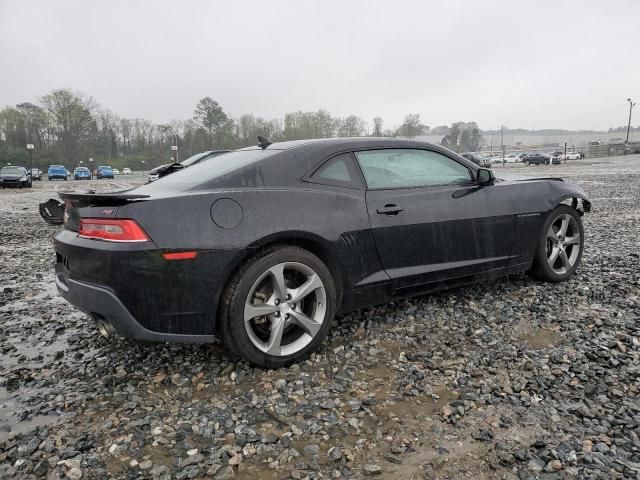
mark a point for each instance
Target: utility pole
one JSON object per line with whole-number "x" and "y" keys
{"x": 491, "y": 147}
{"x": 30, "y": 147}
{"x": 175, "y": 149}
{"x": 502, "y": 143}
{"x": 626, "y": 143}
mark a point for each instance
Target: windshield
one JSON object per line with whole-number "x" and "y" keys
{"x": 82, "y": 169}
{"x": 212, "y": 169}
{"x": 15, "y": 170}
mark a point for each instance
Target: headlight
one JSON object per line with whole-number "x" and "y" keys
{"x": 23, "y": 179}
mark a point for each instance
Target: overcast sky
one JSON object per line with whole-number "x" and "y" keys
{"x": 552, "y": 64}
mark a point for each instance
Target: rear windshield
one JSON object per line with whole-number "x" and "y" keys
{"x": 206, "y": 172}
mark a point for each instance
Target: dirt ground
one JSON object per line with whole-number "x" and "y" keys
{"x": 508, "y": 379}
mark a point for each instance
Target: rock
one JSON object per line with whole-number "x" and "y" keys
{"x": 335, "y": 454}
{"x": 74, "y": 473}
{"x": 553, "y": 466}
{"x": 536, "y": 465}
{"x": 372, "y": 469}
{"x": 312, "y": 449}
{"x": 483, "y": 435}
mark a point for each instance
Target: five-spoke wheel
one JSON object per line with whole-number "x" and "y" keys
{"x": 278, "y": 307}
{"x": 285, "y": 308}
{"x": 560, "y": 246}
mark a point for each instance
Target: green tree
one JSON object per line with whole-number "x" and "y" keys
{"x": 210, "y": 116}
{"x": 412, "y": 127}
{"x": 351, "y": 126}
{"x": 72, "y": 121}
{"x": 378, "y": 122}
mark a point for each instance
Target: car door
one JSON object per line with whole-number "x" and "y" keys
{"x": 430, "y": 220}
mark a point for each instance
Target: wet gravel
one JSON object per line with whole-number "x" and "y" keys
{"x": 510, "y": 379}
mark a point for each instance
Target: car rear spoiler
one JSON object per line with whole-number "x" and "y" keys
{"x": 52, "y": 211}
{"x": 90, "y": 197}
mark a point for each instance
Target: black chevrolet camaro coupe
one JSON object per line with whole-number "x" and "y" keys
{"x": 264, "y": 246}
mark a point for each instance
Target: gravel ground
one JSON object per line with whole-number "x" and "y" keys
{"x": 508, "y": 379}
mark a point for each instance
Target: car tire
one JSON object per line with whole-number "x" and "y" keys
{"x": 559, "y": 251}
{"x": 300, "y": 326}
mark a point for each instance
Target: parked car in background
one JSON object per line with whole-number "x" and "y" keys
{"x": 512, "y": 157}
{"x": 126, "y": 171}
{"x": 115, "y": 171}
{"x": 477, "y": 158}
{"x": 15, "y": 176}
{"x": 104, "y": 172}
{"x": 82, "y": 173}
{"x": 536, "y": 158}
{"x": 36, "y": 174}
{"x": 57, "y": 171}
{"x": 166, "y": 169}
{"x": 571, "y": 156}
{"x": 156, "y": 270}
{"x": 554, "y": 158}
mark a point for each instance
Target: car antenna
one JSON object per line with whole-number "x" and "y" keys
{"x": 263, "y": 142}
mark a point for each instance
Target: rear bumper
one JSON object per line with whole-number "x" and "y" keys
{"x": 102, "y": 303}
{"x": 143, "y": 295}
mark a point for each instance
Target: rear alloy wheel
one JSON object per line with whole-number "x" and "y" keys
{"x": 281, "y": 305}
{"x": 560, "y": 247}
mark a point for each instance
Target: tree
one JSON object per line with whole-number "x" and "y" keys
{"x": 72, "y": 119}
{"x": 412, "y": 126}
{"x": 377, "y": 126}
{"x": 351, "y": 126}
{"x": 463, "y": 137}
{"x": 210, "y": 116}
{"x": 36, "y": 123}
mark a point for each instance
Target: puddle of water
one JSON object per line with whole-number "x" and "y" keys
{"x": 9, "y": 422}
{"x": 410, "y": 407}
{"x": 261, "y": 472}
{"x": 541, "y": 338}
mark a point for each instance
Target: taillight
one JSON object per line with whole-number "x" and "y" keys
{"x": 112, "y": 230}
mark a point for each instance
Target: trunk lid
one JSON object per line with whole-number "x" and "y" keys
{"x": 93, "y": 204}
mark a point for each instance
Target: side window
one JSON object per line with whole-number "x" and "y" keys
{"x": 338, "y": 171}
{"x": 405, "y": 168}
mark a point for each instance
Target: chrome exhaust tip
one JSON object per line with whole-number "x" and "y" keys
{"x": 105, "y": 328}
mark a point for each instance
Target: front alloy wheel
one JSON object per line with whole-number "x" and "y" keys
{"x": 560, "y": 246}
{"x": 563, "y": 244}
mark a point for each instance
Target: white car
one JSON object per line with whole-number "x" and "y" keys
{"x": 126, "y": 171}
{"x": 570, "y": 156}
{"x": 510, "y": 158}
{"x": 116, "y": 171}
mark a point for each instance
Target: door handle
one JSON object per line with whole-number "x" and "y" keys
{"x": 389, "y": 209}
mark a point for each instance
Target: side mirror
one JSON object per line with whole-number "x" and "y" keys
{"x": 484, "y": 176}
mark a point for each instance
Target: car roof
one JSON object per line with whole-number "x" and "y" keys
{"x": 346, "y": 142}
